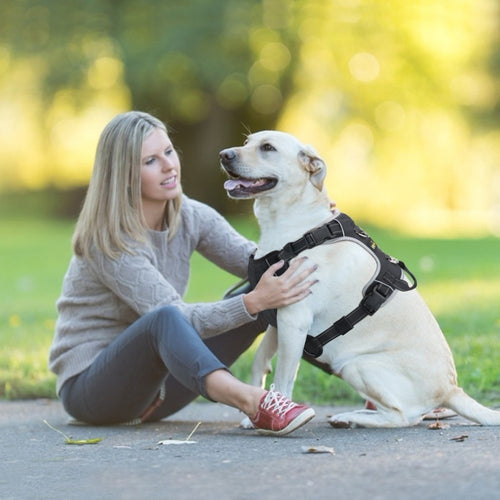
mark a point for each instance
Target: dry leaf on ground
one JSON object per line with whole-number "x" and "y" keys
{"x": 438, "y": 425}
{"x": 460, "y": 439}
{"x": 318, "y": 449}
{"x": 68, "y": 440}
{"x": 181, "y": 441}
{"x": 176, "y": 441}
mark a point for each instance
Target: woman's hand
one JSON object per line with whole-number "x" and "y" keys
{"x": 273, "y": 291}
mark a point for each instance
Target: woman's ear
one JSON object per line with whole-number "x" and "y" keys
{"x": 313, "y": 164}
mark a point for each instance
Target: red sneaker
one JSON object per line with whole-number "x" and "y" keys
{"x": 278, "y": 415}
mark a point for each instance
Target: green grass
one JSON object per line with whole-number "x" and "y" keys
{"x": 458, "y": 278}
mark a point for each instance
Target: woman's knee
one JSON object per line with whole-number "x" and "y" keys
{"x": 169, "y": 316}
{"x": 169, "y": 328}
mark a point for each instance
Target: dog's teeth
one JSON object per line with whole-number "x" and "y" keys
{"x": 244, "y": 183}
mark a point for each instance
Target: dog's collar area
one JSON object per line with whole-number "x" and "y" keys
{"x": 389, "y": 278}
{"x": 329, "y": 231}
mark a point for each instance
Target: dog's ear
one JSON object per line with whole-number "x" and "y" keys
{"x": 313, "y": 164}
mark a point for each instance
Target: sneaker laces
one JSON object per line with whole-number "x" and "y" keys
{"x": 277, "y": 402}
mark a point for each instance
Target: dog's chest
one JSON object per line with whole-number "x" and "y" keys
{"x": 344, "y": 269}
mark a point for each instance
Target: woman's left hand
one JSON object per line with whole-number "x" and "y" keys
{"x": 273, "y": 291}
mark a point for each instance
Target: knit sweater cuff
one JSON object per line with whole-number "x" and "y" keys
{"x": 253, "y": 317}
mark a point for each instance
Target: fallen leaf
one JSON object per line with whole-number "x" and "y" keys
{"x": 82, "y": 441}
{"x": 181, "y": 441}
{"x": 68, "y": 440}
{"x": 460, "y": 439}
{"x": 318, "y": 449}
{"x": 176, "y": 441}
{"x": 438, "y": 425}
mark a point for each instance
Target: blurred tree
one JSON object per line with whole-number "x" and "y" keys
{"x": 400, "y": 97}
{"x": 394, "y": 85}
{"x": 197, "y": 65}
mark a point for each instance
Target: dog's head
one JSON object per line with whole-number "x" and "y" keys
{"x": 270, "y": 161}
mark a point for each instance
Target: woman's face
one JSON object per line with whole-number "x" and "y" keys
{"x": 160, "y": 169}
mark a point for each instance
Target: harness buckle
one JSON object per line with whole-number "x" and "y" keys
{"x": 375, "y": 298}
{"x": 310, "y": 240}
{"x": 313, "y": 347}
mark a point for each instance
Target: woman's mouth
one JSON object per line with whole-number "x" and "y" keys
{"x": 170, "y": 182}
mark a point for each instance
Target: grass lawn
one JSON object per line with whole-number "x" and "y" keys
{"x": 458, "y": 278}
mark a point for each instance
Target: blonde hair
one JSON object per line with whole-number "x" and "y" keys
{"x": 111, "y": 219}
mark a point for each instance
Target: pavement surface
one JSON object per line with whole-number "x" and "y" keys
{"x": 223, "y": 461}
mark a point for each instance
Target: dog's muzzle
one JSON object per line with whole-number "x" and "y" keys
{"x": 242, "y": 187}
{"x": 227, "y": 156}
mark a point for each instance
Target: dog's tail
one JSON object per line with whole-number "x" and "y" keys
{"x": 469, "y": 408}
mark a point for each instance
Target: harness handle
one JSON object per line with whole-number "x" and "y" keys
{"x": 402, "y": 265}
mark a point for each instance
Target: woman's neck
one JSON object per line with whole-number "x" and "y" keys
{"x": 155, "y": 216}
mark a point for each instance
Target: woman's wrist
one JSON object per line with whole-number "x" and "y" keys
{"x": 251, "y": 304}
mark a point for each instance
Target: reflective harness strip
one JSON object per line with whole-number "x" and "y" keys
{"x": 390, "y": 277}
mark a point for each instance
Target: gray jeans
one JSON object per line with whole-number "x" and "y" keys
{"x": 160, "y": 352}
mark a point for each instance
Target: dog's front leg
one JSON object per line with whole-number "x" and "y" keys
{"x": 261, "y": 365}
{"x": 292, "y": 332}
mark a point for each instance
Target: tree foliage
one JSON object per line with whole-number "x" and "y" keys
{"x": 397, "y": 95}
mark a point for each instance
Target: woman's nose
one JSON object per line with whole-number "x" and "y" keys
{"x": 167, "y": 164}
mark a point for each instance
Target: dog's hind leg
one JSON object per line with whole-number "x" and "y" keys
{"x": 371, "y": 418}
{"x": 392, "y": 392}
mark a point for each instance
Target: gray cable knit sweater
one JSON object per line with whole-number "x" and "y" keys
{"x": 102, "y": 296}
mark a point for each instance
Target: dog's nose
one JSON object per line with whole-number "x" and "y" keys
{"x": 227, "y": 155}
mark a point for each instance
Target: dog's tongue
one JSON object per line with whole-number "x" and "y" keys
{"x": 231, "y": 184}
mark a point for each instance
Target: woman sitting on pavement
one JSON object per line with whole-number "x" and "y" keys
{"x": 127, "y": 347}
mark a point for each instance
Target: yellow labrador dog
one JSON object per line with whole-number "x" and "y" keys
{"x": 397, "y": 358}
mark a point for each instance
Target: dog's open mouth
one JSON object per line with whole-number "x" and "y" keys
{"x": 239, "y": 187}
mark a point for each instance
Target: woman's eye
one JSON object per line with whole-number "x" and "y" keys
{"x": 168, "y": 151}
{"x": 150, "y": 161}
{"x": 267, "y": 147}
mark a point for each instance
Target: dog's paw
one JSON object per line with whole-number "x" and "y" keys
{"x": 246, "y": 423}
{"x": 340, "y": 423}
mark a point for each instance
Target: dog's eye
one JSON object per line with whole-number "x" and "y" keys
{"x": 267, "y": 147}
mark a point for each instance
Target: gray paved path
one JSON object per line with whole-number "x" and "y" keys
{"x": 229, "y": 463}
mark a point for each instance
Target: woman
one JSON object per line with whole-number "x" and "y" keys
{"x": 127, "y": 347}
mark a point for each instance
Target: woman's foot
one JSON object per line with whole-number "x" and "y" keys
{"x": 278, "y": 415}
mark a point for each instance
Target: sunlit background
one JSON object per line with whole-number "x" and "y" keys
{"x": 401, "y": 98}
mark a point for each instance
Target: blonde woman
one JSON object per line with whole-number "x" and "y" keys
{"x": 127, "y": 347}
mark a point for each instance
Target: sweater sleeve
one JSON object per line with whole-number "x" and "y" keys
{"x": 220, "y": 243}
{"x": 135, "y": 280}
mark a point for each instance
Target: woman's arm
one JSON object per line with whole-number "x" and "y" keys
{"x": 218, "y": 241}
{"x": 137, "y": 282}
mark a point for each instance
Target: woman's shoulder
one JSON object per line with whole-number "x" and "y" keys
{"x": 98, "y": 260}
{"x": 196, "y": 211}
{"x": 192, "y": 204}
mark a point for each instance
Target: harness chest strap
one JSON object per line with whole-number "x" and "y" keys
{"x": 389, "y": 278}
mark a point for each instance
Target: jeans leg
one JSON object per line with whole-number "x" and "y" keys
{"x": 126, "y": 377}
{"x": 227, "y": 346}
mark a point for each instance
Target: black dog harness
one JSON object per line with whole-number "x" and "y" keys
{"x": 390, "y": 277}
